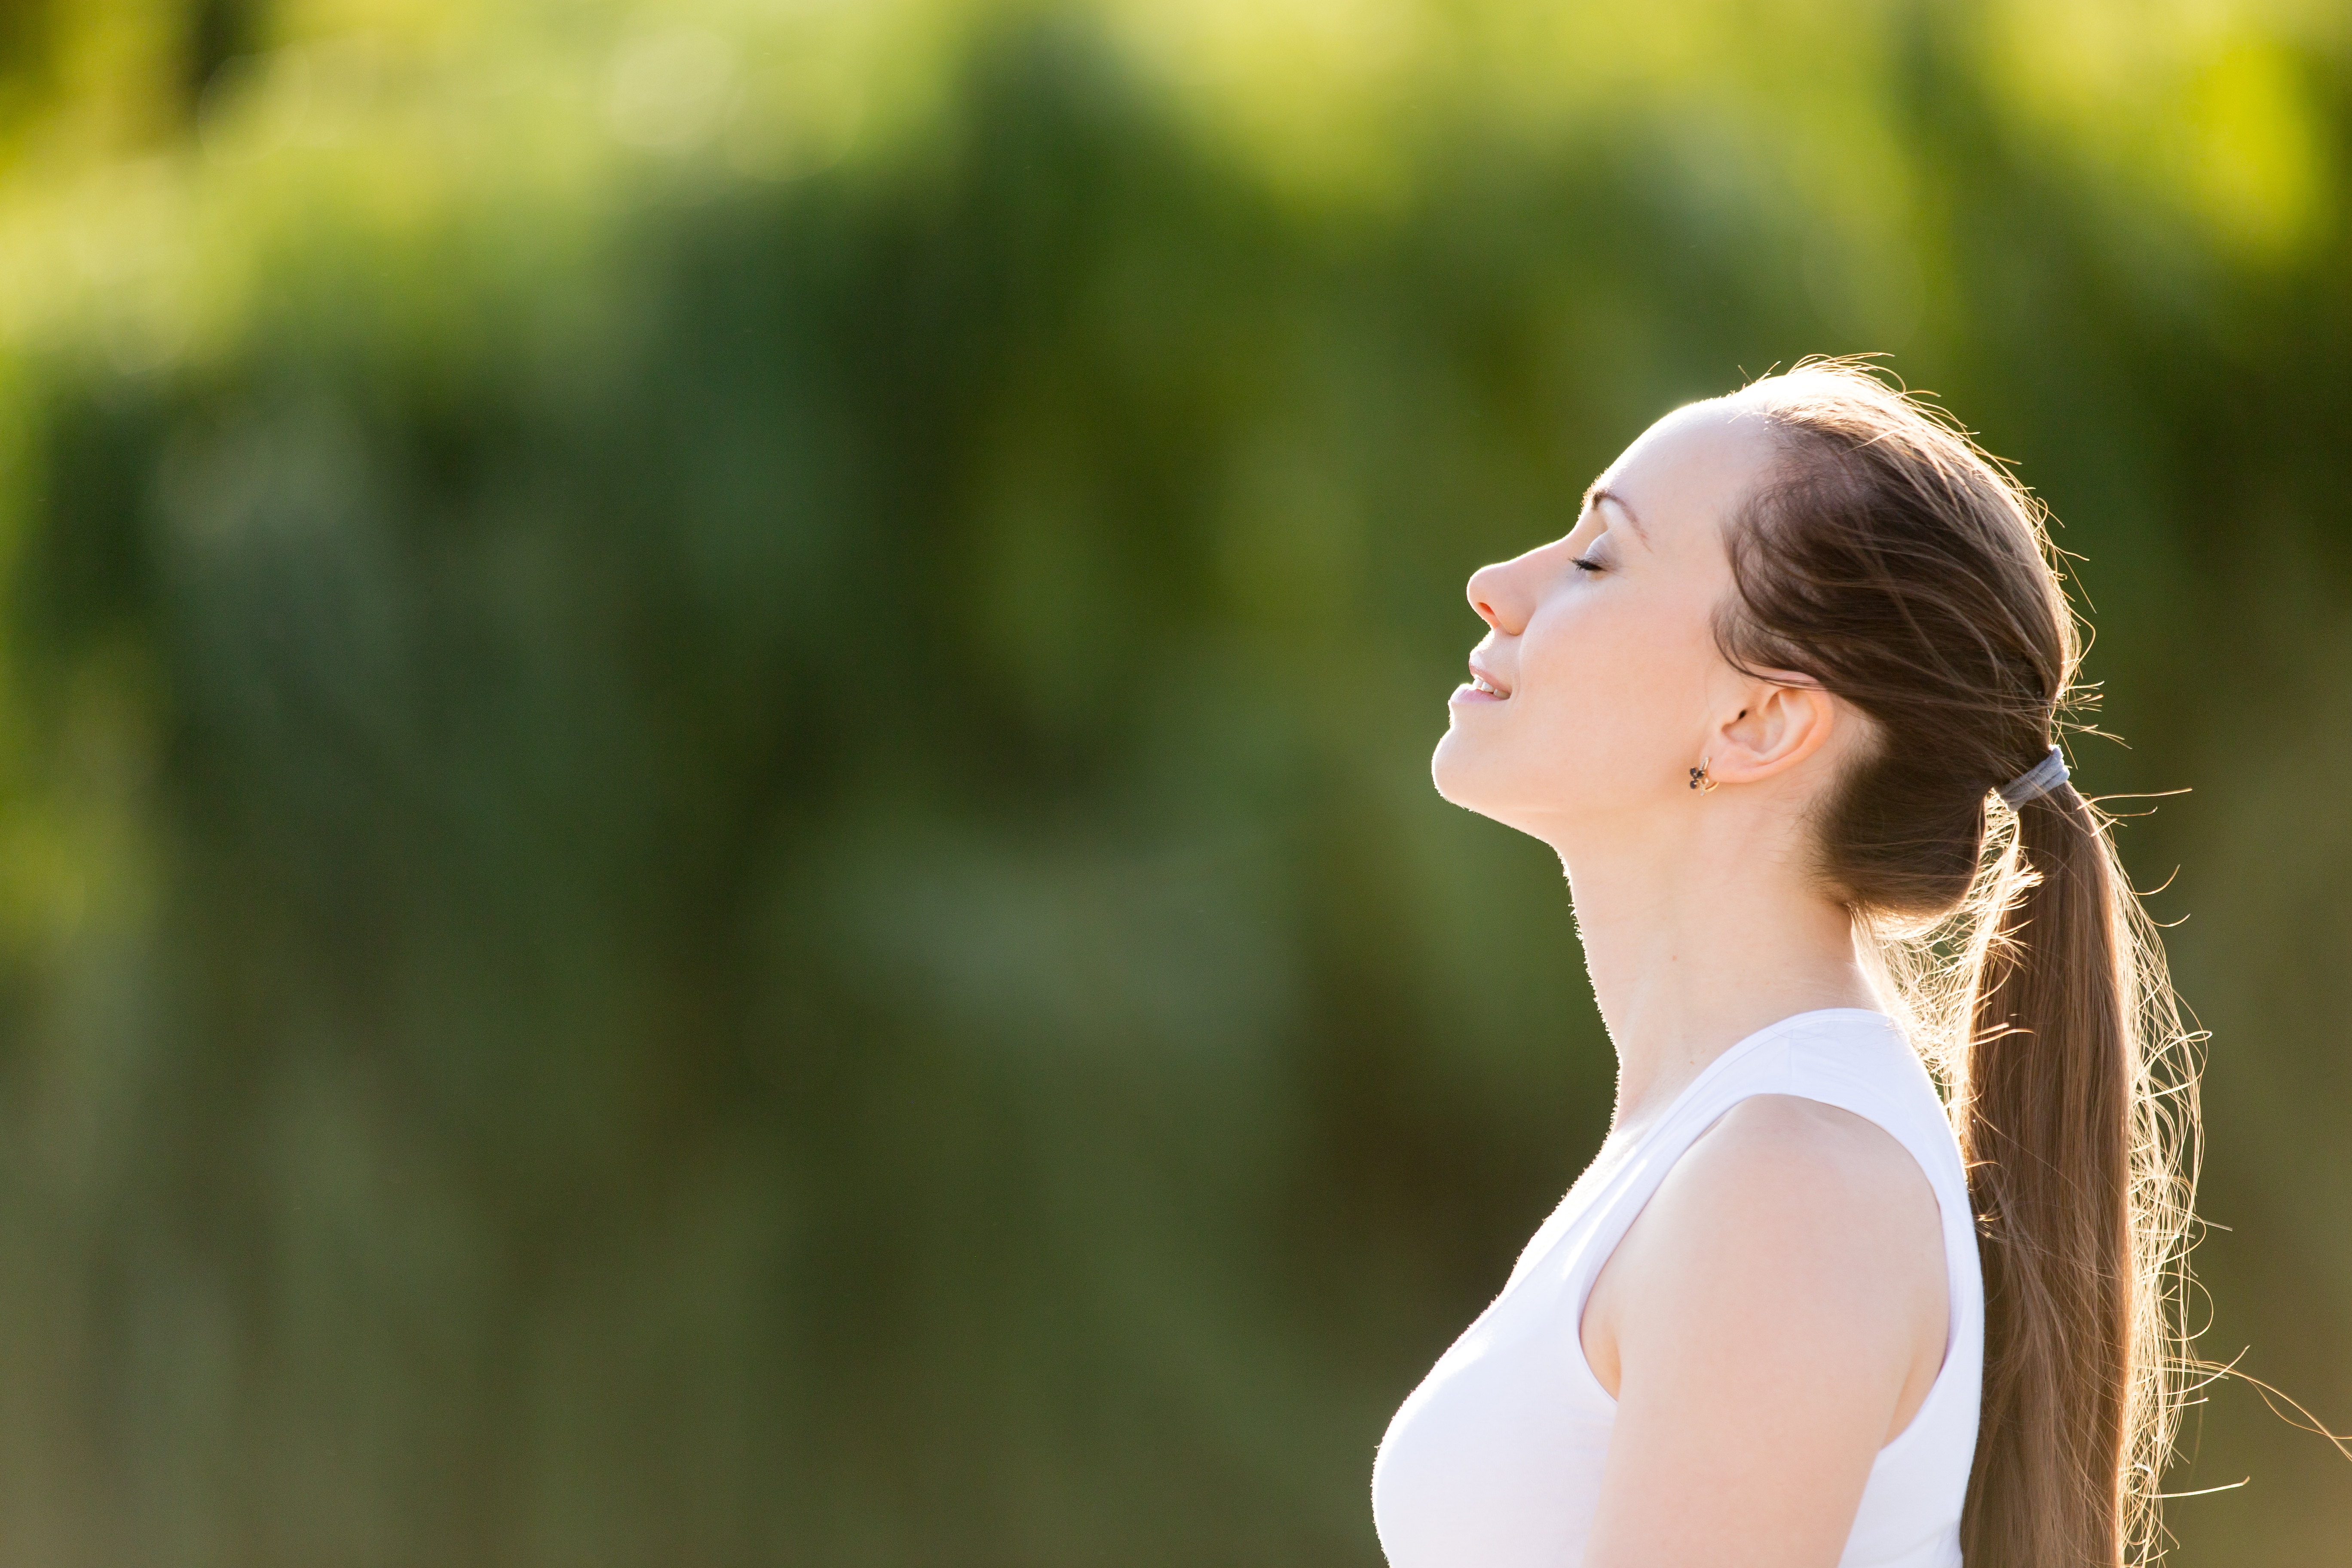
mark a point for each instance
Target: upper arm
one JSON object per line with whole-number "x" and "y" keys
{"x": 1767, "y": 1318}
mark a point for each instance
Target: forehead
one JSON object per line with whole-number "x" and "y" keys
{"x": 1691, "y": 469}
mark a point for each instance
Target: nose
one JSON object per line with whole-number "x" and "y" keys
{"x": 1498, "y": 593}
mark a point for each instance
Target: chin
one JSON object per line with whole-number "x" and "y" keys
{"x": 1475, "y": 784}
{"x": 1454, "y": 773}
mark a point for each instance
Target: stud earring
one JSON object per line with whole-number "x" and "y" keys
{"x": 1698, "y": 779}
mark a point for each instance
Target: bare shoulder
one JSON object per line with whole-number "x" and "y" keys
{"x": 1781, "y": 1177}
{"x": 1816, "y": 1222}
{"x": 1772, "y": 1148}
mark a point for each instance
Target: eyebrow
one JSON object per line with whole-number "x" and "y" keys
{"x": 1600, "y": 493}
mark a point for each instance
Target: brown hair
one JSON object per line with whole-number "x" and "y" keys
{"x": 1889, "y": 558}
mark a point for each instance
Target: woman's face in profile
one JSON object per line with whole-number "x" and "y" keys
{"x": 1600, "y": 652}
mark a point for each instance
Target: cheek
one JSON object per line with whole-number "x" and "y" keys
{"x": 1591, "y": 726}
{"x": 1617, "y": 701}
{"x": 1610, "y": 706}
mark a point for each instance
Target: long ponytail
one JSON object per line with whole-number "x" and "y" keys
{"x": 1890, "y": 559}
{"x": 2070, "y": 1135}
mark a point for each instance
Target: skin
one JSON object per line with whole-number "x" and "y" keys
{"x": 1776, "y": 1313}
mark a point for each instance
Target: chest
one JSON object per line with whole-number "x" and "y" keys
{"x": 1497, "y": 1457}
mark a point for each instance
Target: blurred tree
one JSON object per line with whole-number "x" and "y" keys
{"x": 713, "y": 731}
{"x": 218, "y": 31}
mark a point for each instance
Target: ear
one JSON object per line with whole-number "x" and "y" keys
{"x": 1777, "y": 723}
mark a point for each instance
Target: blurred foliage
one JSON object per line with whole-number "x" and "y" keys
{"x": 712, "y": 720}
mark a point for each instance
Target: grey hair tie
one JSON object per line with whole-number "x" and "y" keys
{"x": 2036, "y": 781}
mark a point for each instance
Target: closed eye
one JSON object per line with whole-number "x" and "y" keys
{"x": 1585, "y": 563}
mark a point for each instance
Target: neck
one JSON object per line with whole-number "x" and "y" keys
{"x": 1696, "y": 944}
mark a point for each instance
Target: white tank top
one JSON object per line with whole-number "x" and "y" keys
{"x": 1494, "y": 1461}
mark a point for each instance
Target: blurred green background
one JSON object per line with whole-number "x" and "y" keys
{"x": 714, "y": 845}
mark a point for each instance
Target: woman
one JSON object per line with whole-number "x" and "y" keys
{"x": 1784, "y": 703}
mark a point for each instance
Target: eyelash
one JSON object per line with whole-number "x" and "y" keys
{"x": 1585, "y": 563}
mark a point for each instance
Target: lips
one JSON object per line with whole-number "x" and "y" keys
{"x": 1481, "y": 688}
{"x": 1483, "y": 679}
